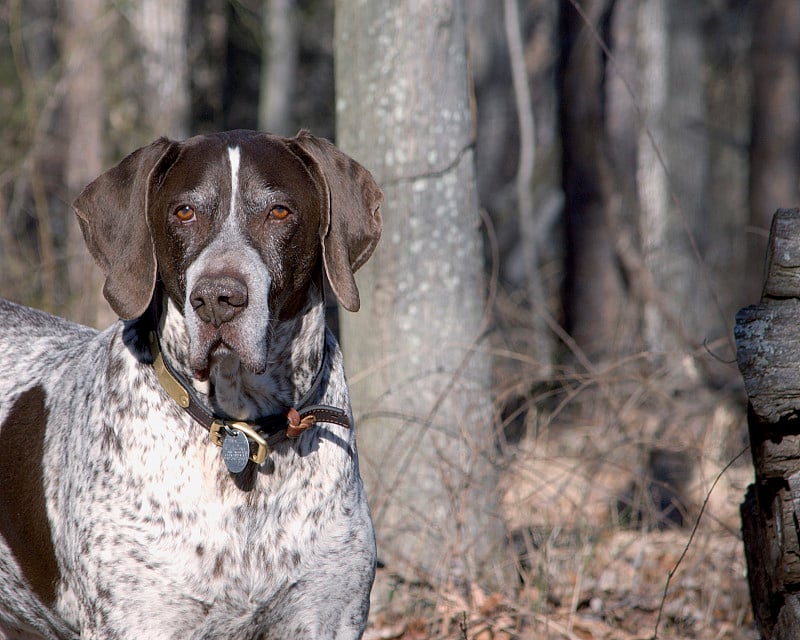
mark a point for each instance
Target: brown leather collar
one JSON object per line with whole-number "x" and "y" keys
{"x": 262, "y": 434}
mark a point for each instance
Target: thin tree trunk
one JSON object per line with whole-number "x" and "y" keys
{"x": 279, "y": 66}
{"x": 685, "y": 273}
{"x": 162, "y": 30}
{"x": 651, "y": 173}
{"x": 85, "y": 113}
{"x": 594, "y": 292}
{"x": 529, "y": 224}
{"x": 418, "y": 376}
{"x": 775, "y": 135}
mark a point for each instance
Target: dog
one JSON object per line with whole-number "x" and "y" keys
{"x": 191, "y": 472}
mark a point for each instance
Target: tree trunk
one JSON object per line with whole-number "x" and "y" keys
{"x": 671, "y": 177}
{"x": 727, "y": 38}
{"x": 685, "y": 276}
{"x": 651, "y": 170}
{"x": 162, "y": 28}
{"x": 278, "y": 66}
{"x": 530, "y": 225}
{"x": 85, "y": 114}
{"x": 769, "y": 361}
{"x": 594, "y": 293}
{"x": 775, "y": 135}
{"x": 419, "y": 378}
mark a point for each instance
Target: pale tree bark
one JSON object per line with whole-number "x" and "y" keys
{"x": 657, "y": 81}
{"x": 651, "y": 170}
{"x": 162, "y": 31}
{"x": 279, "y": 66}
{"x": 85, "y": 113}
{"x": 671, "y": 177}
{"x": 419, "y": 379}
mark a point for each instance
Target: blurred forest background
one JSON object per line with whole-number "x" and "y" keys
{"x": 628, "y": 157}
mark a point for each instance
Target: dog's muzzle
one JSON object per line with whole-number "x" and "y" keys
{"x": 217, "y": 300}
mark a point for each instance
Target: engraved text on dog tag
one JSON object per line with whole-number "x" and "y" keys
{"x": 235, "y": 450}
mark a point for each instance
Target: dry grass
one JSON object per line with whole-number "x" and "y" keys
{"x": 622, "y": 489}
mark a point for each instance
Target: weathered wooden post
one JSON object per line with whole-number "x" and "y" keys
{"x": 768, "y": 354}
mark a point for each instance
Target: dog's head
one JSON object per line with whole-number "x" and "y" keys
{"x": 237, "y": 226}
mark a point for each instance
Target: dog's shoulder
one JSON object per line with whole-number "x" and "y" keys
{"x": 21, "y": 322}
{"x": 35, "y": 345}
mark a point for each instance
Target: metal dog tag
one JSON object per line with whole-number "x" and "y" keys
{"x": 235, "y": 450}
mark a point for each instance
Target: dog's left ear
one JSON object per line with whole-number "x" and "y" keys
{"x": 112, "y": 212}
{"x": 351, "y": 219}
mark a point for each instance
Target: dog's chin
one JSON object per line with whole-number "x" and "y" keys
{"x": 218, "y": 355}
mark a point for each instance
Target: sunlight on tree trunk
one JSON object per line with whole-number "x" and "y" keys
{"x": 279, "y": 66}
{"x": 671, "y": 167}
{"x": 651, "y": 174}
{"x": 419, "y": 378}
{"x": 162, "y": 31}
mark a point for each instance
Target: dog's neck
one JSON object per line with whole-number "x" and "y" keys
{"x": 295, "y": 363}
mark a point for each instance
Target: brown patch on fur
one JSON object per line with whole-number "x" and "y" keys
{"x": 23, "y": 515}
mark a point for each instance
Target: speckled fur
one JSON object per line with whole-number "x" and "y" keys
{"x": 153, "y": 537}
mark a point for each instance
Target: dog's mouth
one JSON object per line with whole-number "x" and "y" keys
{"x": 225, "y": 350}
{"x": 201, "y": 362}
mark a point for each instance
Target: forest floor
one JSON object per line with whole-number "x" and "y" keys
{"x": 623, "y": 499}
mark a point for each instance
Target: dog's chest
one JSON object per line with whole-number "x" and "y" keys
{"x": 227, "y": 546}
{"x": 161, "y": 513}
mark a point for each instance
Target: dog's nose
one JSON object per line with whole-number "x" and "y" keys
{"x": 217, "y": 300}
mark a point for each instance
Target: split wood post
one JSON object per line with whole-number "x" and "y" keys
{"x": 768, "y": 354}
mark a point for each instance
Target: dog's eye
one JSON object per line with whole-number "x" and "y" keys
{"x": 279, "y": 212}
{"x": 185, "y": 213}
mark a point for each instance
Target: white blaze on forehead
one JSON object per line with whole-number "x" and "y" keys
{"x": 234, "y": 156}
{"x": 228, "y": 252}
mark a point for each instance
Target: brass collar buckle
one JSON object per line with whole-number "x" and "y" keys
{"x": 221, "y": 429}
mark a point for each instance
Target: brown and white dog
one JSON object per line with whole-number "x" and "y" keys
{"x": 191, "y": 472}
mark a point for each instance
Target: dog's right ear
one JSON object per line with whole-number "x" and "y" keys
{"x": 112, "y": 212}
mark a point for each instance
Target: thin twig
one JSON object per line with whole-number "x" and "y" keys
{"x": 696, "y": 526}
{"x": 528, "y": 225}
